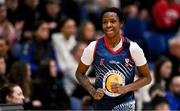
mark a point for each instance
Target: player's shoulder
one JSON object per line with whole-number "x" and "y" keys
{"x": 91, "y": 46}
{"x": 93, "y": 42}
{"x": 134, "y": 47}
{"x": 132, "y": 43}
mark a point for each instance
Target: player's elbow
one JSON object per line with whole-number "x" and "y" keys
{"x": 77, "y": 75}
{"x": 148, "y": 79}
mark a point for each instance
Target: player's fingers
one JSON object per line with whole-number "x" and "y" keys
{"x": 113, "y": 83}
{"x": 104, "y": 89}
{"x": 100, "y": 94}
{"x": 115, "y": 90}
{"x": 100, "y": 91}
{"x": 97, "y": 97}
{"x": 114, "y": 86}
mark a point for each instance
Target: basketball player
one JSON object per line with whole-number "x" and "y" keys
{"x": 114, "y": 58}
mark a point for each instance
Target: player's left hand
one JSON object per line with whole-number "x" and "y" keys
{"x": 118, "y": 88}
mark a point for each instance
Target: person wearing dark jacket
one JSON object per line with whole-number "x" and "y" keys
{"x": 46, "y": 88}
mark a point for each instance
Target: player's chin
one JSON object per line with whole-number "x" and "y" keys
{"x": 110, "y": 36}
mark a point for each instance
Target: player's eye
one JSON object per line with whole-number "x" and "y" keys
{"x": 113, "y": 21}
{"x": 104, "y": 22}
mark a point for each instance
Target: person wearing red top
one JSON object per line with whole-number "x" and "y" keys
{"x": 166, "y": 14}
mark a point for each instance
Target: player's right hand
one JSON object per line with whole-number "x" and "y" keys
{"x": 98, "y": 94}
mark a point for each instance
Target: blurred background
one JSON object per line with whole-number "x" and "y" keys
{"x": 41, "y": 42}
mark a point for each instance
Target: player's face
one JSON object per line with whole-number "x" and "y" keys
{"x": 111, "y": 24}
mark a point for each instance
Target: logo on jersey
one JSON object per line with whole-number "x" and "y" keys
{"x": 101, "y": 61}
{"x": 112, "y": 76}
{"x": 126, "y": 62}
{"x": 114, "y": 62}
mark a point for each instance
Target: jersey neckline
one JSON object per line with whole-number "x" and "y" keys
{"x": 110, "y": 49}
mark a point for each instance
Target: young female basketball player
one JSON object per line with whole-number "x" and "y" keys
{"x": 114, "y": 58}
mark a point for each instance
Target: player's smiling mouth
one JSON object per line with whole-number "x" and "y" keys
{"x": 109, "y": 30}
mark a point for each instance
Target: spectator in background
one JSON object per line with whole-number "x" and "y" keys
{"x": 71, "y": 9}
{"x": 173, "y": 95}
{"x": 38, "y": 48}
{"x": 90, "y": 9}
{"x": 64, "y": 41}
{"x": 7, "y": 31}
{"x": 11, "y": 94}
{"x": 52, "y": 11}
{"x": 20, "y": 74}
{"x": 135, "y": 27}
{"x": 160, "y": 79}
{"x": 30, "y": 14}
{"x": 160, "y": 103}
{"x": 154, "y": 91}
{"x": 13, "y": 15}
{"x": 174, "y": 55}
{"x": 132, "y": 11}
{"x": 12, "y": 11}
{"x": 10, "y": 31}
{"x": 86, "y": 32}
{"x": 6, "y": 51}
{"x": 3, "y": 78}
{"x": 178, "y": 33}
{"x": 3, "y": 47}
{"x": 46, "y": 90}
{"x": 70, "y": 81}
{"x": 144, "y": 16}
{"x": 80, "y": 99}
{"x": 166, "y": 15}
{"x": 162, "y": 72}
{"x": 53, "y": 14}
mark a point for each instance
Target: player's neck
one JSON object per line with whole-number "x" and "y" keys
{"x": 113, "y": 42}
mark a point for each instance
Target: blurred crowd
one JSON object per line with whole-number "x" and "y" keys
{"x": 41, "y": 42}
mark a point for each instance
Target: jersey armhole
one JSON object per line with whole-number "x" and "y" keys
{"x": 94, "y": 53}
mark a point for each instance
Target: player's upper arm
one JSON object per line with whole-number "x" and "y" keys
{"x": 140, "y": 61}
{"x": 87, "y": 56}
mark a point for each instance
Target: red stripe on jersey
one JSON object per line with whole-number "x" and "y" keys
{"x": 110, "y": 49}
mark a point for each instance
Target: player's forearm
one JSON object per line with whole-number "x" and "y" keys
{"x": 84, "y": 81}
{"x": 142, "y": 81}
